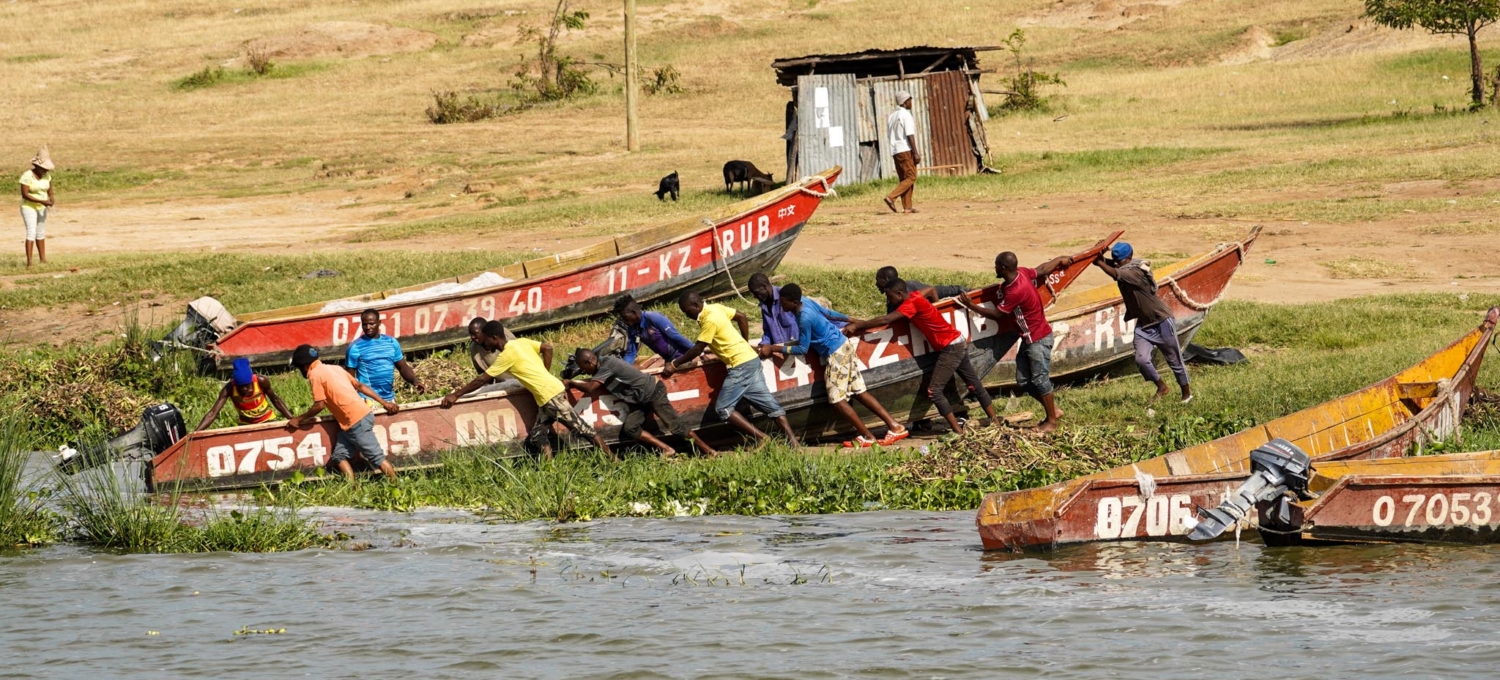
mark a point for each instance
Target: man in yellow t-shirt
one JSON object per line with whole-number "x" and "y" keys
{"x": 530, "y": 362}
{"x": 723, "y": 330}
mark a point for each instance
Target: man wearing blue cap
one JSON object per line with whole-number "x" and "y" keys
{"x": 252, "y": 396}
{"x": 1155, "y": 326}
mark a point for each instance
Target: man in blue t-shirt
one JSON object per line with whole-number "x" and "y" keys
{"x": 374, "y": 359}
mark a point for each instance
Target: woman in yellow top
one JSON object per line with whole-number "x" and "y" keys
{"x": 723, "y": 330}
{"x": 36, "y": 200}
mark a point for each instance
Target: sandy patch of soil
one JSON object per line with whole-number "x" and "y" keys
{"x": 344, "y": 39}
{"x": 1097, "y": 15}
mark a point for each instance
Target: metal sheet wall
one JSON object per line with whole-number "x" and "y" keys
{"x": 885, "y": 102}
{"x": 828, "y": 125}
{"x": 948, "y": 110}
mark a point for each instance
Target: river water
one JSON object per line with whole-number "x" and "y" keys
{"x": 880, "y": 594}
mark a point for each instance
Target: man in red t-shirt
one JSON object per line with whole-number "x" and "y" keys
{"x": 953, "y": 349}
{"x": 1020, "y": 307}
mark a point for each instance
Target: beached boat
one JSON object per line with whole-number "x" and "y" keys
{"x": 1092, "y": 337}
{"x": 1154, "y": 499}
{"x": 712, "y": 254}
{"x": 893, "y": 358}
{"x": 1452, "y": 498}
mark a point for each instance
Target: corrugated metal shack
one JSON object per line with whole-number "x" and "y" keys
{"x": 840, "y": 103}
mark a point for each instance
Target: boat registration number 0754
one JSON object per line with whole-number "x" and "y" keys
{"x": 1127, "y": 516}
{"x": 282, "y": 453}
{"x": 1455, "y": 509}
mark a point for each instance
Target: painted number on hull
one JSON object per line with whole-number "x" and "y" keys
{"x": 493, "y": 427}
{"x": 1125, "y": 517}
{"x": 278, "y": 453}
{"x": 1458, "y": 509}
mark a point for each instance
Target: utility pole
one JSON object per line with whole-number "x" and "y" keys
{"x": 632, "y": 82}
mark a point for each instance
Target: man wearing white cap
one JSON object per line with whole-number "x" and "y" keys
{"x": 902, "y": 129}
{"x": 36, "y": 199}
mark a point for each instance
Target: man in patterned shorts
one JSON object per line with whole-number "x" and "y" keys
{"x": 841, "y": 374}
{"x": 531, "y": 363}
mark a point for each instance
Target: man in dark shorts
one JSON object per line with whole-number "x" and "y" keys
{"x": 642, "y": 396}
{"x": 953, "y": 356}
{"x": 1020, "y": 308}
{"x": 885, "y": 275}
{"x": 1155, "y": 327}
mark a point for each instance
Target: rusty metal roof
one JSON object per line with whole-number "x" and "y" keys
{"x": 907, "y": 61}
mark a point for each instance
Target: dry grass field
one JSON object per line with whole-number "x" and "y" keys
{"x": 1183, "y": 121}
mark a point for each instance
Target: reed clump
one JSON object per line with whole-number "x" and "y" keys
{"x": 24, "y": 519}
{"x": 105, "y": 512}
{"x": 1025, "y": 457}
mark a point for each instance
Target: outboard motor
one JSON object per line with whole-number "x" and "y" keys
{"x": 1277, "y": 468}
{"x": 206, "y": 320}
{"x": 161, "y": 426}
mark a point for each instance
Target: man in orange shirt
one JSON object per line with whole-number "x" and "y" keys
{"x": 333, "y": 388}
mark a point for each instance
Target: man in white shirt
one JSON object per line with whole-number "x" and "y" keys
{"x": 902, "y": 129}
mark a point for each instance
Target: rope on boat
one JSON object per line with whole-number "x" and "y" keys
{"x": 827, "y": 191}
{"x": 719, "y": 262}
{"x": 1205, "y": 306}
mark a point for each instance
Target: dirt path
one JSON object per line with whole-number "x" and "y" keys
{"x": 1407, "y": 252}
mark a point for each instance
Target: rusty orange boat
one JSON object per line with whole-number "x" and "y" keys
{"x": 1154, "y": 499}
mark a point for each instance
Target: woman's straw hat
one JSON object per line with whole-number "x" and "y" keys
{"x": 43, "y": 160}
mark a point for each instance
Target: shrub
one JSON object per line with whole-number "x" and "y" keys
{"x": 208, "y": 77}
{"x": 454, "y": 107}
{"x": 664, "y": 80}
{"x": 1024, "y": 89}
{"x": 258, "y": 59}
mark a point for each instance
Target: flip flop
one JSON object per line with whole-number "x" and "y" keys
{"x": 890, "y": 204}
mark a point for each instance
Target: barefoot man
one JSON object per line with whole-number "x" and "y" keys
{"x": 953, "y": 349}
{"x": 1021, "y": 306}
{"x": 841, "y": 376}
{"x": 723, "y": 330}
{"x": 1155, "y": 327}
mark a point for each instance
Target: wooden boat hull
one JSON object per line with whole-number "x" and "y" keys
{"x": 894, "y": 360}
{"x": 1420, "y": 404}
{"x": 656, "y": 264}
{"x": 1092, "y": 337}
{"x": 1451, "y": 498}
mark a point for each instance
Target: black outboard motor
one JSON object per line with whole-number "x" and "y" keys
{"x": 161, "y": 426}
{"x": 1278, "y": 468}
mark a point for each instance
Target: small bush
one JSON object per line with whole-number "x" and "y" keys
{"x": 665, "y": 80}
{"x": 208, "y": 77}
{"x": 1024, "y": 89}
{"x": 454, "y": 107}
{"x": 24, "y": 520}
{"x": 258, "y": 59}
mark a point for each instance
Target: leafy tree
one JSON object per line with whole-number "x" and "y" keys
{"x": 1442, "y": 17}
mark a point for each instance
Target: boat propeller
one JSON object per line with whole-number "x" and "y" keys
{"x": 1278, "y": 468}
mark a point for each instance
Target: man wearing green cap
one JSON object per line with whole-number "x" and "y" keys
{"x": 252, "y": 396}
{"x": 1155, "y": 327}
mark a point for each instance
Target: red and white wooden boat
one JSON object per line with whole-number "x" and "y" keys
{"x": 1092, "y": 337}
{"x": 711, "y": 254}
{"x": 1154, "y": 499}
{"x": 894, "y": 360}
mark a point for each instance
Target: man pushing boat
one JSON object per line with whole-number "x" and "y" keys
{"x": 841, "y": 375}
{"x": 338, "y": 391}
{"x": 643, "y": 397}
{"x": 252, "y": 395}
{"x": 530, "y": 362}
{"x": 723, "y": 330}
{"x": 1020, "y": 310}
{"x": 953, "y": 349}
{"x": 1155, "y": 326}
{"x": 885, "y": 275}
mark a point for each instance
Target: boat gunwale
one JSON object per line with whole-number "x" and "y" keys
{"x": 1197, "y": 264}
{"x": 759, "y": 203}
